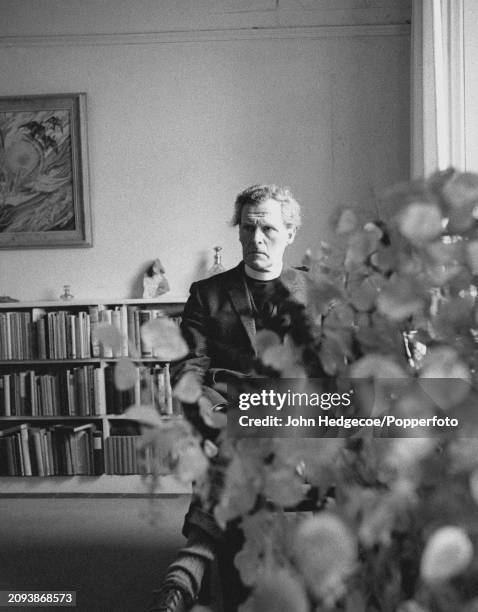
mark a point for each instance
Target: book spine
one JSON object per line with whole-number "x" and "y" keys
{"x": 9, "y": 331}
{"x": 62, "y": 335}
{"x": 94, "y": 313}
{"x": 37, "y": 445}
{"x": 124, "y": 330}
{"x": 3, "y": 336}
{"x": 99, "y": 391}
{"x": 98, "y": 453}
{"x": 22, "y": 385}
{"x": 132, "y": 350}
{"x": 137, "y": 332}
{"x": 106, "y": 318}
{"x": 168, "y": 392}
{"x": 144, "y": 317}
{"x": 137, "y": 388}
{"x": 47, "y": 452}
{"x": 87, "y": 336}
{"x": 6, "y": 391}
{"x": 25, "y": 451}
{"x": 116, "y": 322}
{"x": 80, "y": 337}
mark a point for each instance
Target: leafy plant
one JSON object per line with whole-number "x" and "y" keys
{"x": 394, "y": 307}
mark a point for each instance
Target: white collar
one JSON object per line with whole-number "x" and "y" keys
{"x": 263, "y": 276}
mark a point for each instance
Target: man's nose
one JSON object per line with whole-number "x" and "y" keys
{"x": 258, "y": 236}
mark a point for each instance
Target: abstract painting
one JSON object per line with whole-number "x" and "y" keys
{"x": 44, "y": 188}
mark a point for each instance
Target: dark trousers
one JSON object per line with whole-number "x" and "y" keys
{"x": 225, "y": 545}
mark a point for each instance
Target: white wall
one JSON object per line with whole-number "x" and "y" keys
{"x": 187, "y": 106}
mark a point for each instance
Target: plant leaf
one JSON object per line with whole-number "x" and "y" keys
{"x": 189, "y": 462}
{"x": 325, "y": 551}
{"x": 377, "y": 366}
{"x": 461, "y": 189}
{"x": 212, "y": 418}
{"x": 283, "y": 486}
{"x": 126, "y": 374}
{"x": 265, "y": 339}
{"x": 447, "y": 553}
{"x": 346, "y": 221}
{"x": 164, "y": 336}
{"x": 277, "y": 591}
{"x": 444, "y": 377}
{"x": 108, "y": 336}
{"x": 472, "y": 255}
{"x": 188, "y": 388}
{"x": 400, "y": 299}
{"x": 147, "y": 415}
{"x": 420, "y": 222}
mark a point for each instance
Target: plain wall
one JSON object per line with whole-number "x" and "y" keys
{"x": 182, "y": 116}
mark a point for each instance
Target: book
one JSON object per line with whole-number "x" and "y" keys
{"x": 94, "y": 313}
{"x": 99, "y": 406}
{"x": 6, "y": 395}
{"x": 38, "y": 333}
{"x": 144, "y": 317}
{"x": 116, "y": 323}
{"x": 106, "y": 318}
{"x": 132, "y": 339}
{"x": 124, "y": 330}
{"x": 168, "y": 392}
{"x": 77, "y": 446}
{"x": 71, "y": 336}
{"x": 98, "y": 453}
{"x": 38, "y": 451}
{"x": 19, "y": 435}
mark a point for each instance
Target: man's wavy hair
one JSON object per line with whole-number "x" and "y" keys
{"x": 257, "y": 194}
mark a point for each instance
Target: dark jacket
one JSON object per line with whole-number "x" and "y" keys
{"x": 218, "y": 322}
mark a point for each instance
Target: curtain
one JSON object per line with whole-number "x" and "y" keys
{"x": 437, "y": 72}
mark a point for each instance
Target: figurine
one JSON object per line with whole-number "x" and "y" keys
{"x": 155, "y": 282}
{"x": 217, "y": 266}
{"x": 67, "y": 294}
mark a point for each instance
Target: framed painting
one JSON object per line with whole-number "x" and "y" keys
{"x": 44, "y": 188}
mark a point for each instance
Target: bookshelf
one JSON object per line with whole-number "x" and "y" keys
{"x": 62, "y": 429}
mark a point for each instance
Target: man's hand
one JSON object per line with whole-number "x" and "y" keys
{"x": 212, "y": 412}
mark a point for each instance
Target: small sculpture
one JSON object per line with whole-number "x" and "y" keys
{"x": 217, "y": 266}
{"x": 67, "y": 294}
{"x": 155, "y": 282}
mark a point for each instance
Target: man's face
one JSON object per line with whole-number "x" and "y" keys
{"x": 263, "y": 235}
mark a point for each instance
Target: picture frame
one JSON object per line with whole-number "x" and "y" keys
{"x": 44, "y": 174}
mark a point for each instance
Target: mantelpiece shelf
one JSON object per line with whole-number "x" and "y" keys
{"x": 159, "y": 301}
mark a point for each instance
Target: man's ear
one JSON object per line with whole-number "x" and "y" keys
{"x": 291, "y": 231}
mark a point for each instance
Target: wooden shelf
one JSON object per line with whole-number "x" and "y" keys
{"x": 90, "y": 485}
{"x": 162, "y": 300}
{"x": 49, "y": 417}
{"x": 17, "y": 362}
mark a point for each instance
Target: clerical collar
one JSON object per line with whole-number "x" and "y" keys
{"x": 263, "y": 276}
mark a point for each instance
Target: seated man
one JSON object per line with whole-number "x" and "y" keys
{"x": 220, "y": 320}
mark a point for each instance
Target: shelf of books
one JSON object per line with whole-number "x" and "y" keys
{"x": 62, "y": 428}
